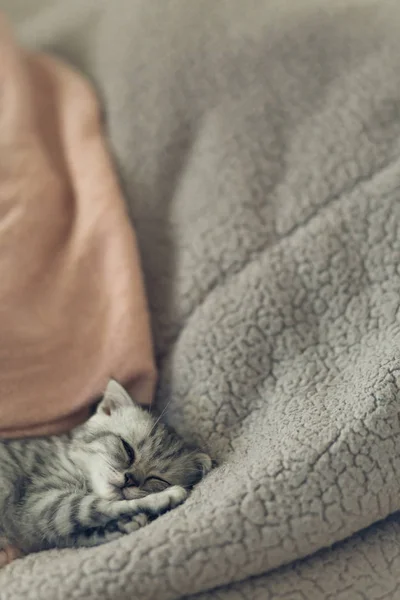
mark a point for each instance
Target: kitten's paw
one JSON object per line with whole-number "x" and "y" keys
{"x": 134, "y": 523}
{"x": 127, "y": 524}
{"x": 113, "y": 530}
{"x": 177, "y": 495}
{"x": 157, "y": 504}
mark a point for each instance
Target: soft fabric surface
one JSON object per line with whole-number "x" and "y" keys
{"x": 73, "y": 310}
{"x": 259, "y": 149}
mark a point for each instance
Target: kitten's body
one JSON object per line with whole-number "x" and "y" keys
{"x": 101, "y": 481}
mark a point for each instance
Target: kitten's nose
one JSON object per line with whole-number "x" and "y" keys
{"x": 130, "y": 480}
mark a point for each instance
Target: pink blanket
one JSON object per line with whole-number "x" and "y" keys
{"x": 72, "y": 305}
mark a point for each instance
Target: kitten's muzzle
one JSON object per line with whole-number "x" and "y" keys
{"x": 131, "y": 480}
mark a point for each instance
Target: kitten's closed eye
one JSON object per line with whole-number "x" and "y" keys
{"x": 155, "y": 484}
{"x": 129, "y": 451}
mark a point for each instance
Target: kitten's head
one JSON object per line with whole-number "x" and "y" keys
{"x": 127, "y": 453}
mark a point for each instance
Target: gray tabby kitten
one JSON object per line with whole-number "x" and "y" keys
{"x": 105, "y": 479}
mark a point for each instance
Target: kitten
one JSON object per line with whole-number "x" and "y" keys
{"x": 106, "y": 478}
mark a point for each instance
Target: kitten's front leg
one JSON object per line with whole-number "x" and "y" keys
{"x": 112, "y": 531}
{"x": 158, "y": 503}
{"x": 95, "y": 511}
{"x": 57, "y": 518}
{"x": 153, "y": 504}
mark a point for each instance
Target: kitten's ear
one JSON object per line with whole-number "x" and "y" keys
{"x": 204, "y": 463}
{"x": 115, "y": 397}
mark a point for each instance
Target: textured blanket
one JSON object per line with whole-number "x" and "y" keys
{"x": 259, "y": 147}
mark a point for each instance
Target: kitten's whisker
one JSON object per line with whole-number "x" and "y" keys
{"x": 161, "y": 415}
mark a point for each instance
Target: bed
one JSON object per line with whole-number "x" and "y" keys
{"x": 258, "y": 145}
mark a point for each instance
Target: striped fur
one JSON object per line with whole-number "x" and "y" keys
{"x": 105, "y": 479}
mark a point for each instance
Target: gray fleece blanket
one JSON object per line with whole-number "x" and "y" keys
{"x": 259, "y": 148}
